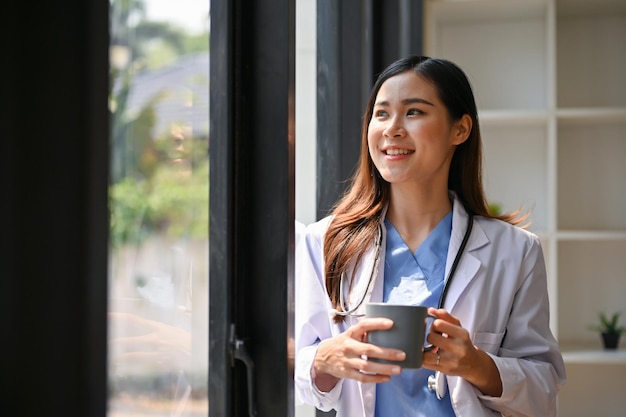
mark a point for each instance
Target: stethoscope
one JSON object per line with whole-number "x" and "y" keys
{"x": 436, "y": 383}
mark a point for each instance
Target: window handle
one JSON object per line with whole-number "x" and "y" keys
{"x": 238, "y": 351}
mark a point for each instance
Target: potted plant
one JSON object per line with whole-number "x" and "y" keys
{"x": 609, "y": 330}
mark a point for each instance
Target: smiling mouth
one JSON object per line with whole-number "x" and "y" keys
{"x": 394, "y": 152}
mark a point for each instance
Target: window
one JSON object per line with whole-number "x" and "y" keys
{"x": 159, "y": 192}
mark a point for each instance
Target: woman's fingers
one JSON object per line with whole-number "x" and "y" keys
{"x": 359, "y": 330}
{"x": 444, "y": 315}
{"x": 455, "y": 353}
{"x": 346, "y": 355}
{"x": 374, "y": 351}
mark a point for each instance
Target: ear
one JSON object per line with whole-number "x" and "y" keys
{"x": 461, "y": 129}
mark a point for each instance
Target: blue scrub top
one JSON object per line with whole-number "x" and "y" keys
{"x": 415, "y": 279}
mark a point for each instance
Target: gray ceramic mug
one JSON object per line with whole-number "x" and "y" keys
{"x": 407, "y": 334}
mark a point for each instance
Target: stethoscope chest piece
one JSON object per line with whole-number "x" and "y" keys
{"x": 437, "y": 384}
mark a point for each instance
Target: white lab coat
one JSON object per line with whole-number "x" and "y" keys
{"x": 499, "y": 293}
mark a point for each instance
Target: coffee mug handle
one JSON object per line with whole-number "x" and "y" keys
{"x": 430, "y": 347}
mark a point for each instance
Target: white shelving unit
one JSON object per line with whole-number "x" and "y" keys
{"x": 549, "y": 78}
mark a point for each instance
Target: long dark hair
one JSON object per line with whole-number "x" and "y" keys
{"x": 356, "y": 216}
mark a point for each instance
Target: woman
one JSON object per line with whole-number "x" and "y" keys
{"x": 394, "y": 237}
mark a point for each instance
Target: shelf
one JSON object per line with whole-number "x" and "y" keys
{"x": 591, "y": 279}
{"x": 595, "y": 356}
{"x": 486, "y": 10}
{"x": 591, "y": 60}
{"x": 590, "y": 235}
{"x": 548, "y": 77}
{"x": 513, "y": 117}
{"x": 590, "y": 8}
{"x": 591, "y": 170}
{"x": 518, "y": 152}
{"x": 501, "y": 80}
{"x": 578, "y": 116}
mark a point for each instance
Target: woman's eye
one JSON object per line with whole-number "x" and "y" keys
{"x": 380, "y": 113}
{"x": 413, "y": 112}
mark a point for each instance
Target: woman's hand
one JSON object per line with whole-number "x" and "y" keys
{"x": 457, "y": 355}
{"x": 345, "y": 356}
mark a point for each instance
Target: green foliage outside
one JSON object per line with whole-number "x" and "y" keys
{"x": 149, "y": 192}
{"x": 171, "y": 203}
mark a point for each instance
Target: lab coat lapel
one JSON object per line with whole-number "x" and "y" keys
{"x": 468, "y": 265}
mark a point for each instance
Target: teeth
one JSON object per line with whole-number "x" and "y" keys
{"x": 397, "y": 151}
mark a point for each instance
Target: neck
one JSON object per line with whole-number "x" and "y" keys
{"x": 416, "y": 212}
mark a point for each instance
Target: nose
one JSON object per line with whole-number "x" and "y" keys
{"x": 394, "y": 127}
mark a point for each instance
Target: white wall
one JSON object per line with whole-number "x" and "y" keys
{"x": 306, "y": 110}
{"x": 306, "y": 121}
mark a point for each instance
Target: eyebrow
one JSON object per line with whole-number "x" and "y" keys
{"x": 406, "y": 101}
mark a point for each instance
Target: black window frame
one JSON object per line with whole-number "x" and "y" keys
{"x": 251, "y": 207}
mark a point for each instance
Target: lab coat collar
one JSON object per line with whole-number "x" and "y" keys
{"x": 466, "y": 270}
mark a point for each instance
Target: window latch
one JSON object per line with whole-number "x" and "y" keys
{"x": 238, "y": 352}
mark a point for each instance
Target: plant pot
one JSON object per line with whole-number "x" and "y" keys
{"x": 610, "y": 340}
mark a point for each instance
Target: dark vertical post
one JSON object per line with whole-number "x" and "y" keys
{"x": 356, "y": 39}
{"x": 411, "y": 38}
{"x": 252, "y": 204}
{"x": 54, "y": 132}
{"x": 329, "y": 167}
{"x": 399, "y": 30}
{"x": 221, "y": 201}
{"x": 343, "y": 57}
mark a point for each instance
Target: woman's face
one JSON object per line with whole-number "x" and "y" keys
{"x": 410, "y": 135}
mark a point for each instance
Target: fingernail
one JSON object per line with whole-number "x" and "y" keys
{"x": 400, "y": 355}
{"x": 396, "y": 370}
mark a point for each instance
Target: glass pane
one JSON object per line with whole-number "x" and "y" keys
{"x": 159, "y": 202}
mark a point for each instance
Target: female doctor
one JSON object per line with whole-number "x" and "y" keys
{"x": 414, "y": 228}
